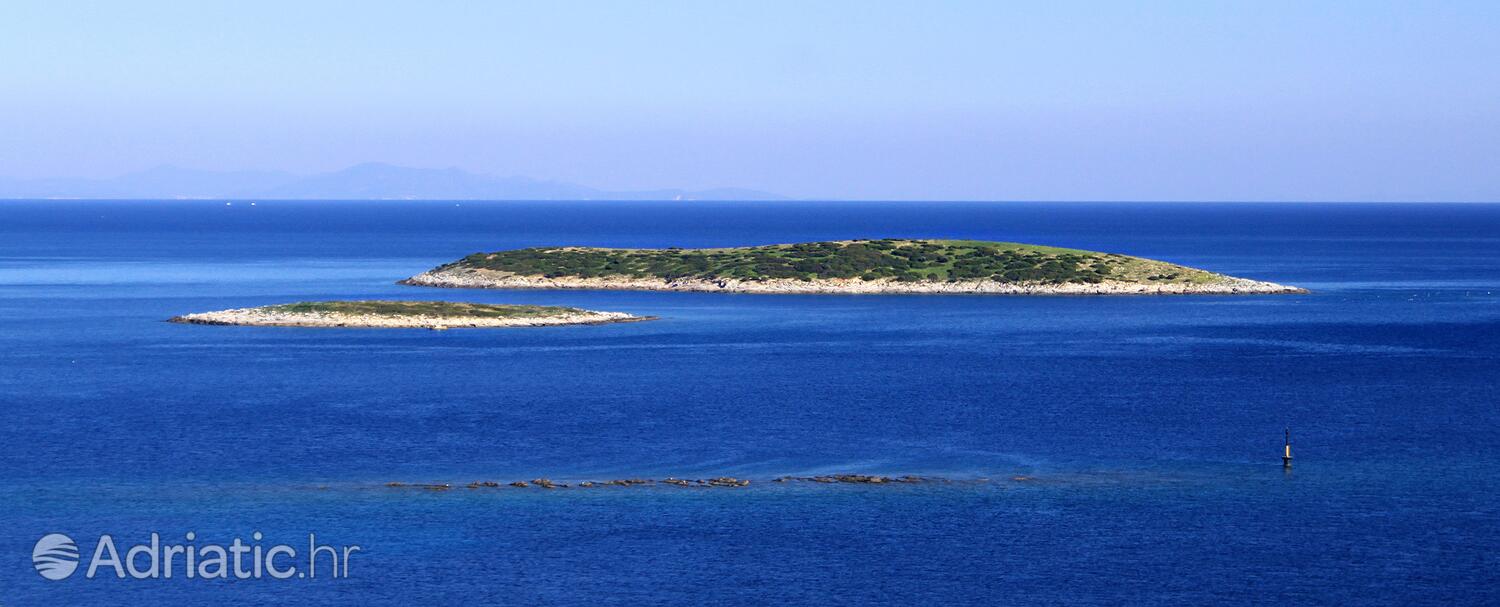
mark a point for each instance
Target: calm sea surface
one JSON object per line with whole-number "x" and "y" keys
{"x": 1151, "y": 427}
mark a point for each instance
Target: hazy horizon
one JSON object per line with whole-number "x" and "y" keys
{"x": 1339, "y": 101}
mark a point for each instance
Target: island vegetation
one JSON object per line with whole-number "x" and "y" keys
{"x": 424, "y": 314}
{"x": 884, "y": 265}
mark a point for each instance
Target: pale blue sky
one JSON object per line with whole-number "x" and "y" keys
{"x": 921, "y": 100}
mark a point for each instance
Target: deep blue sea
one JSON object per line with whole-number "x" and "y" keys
{"x": 1150, "y": 428}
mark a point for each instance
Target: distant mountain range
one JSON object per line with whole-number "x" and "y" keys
{"x": 371, "y": 180}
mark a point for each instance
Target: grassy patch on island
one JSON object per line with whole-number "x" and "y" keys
{"x": 441, "y": 309}
{"x": 899, "y": 260}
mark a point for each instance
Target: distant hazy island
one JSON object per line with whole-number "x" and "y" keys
{"x": 404, "y": 314}
{"x": 850, "y": 266}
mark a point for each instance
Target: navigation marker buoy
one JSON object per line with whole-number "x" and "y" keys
{"x": 1286, "y": 454}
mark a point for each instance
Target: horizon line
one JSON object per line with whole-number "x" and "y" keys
{"x": 759, "y": 201}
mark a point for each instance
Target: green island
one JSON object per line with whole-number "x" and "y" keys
{"x": 403, "y": 314}
{"x": 849, "y": 266}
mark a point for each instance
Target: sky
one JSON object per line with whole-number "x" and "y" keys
{"x": 1054, "y": 100}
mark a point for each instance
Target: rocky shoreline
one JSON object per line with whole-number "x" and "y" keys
{"x": 474, "y": 278}
{"x": 262, "y": 317}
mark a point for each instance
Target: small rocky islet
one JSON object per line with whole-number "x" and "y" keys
{"x": 886, "y": 266}
{"x": 405, "y": 314}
